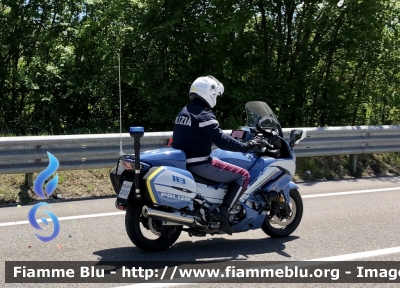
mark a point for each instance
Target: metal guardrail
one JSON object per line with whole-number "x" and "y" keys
{"x": 28, "y": 154}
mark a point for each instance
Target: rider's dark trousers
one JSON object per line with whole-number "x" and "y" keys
{"x": 221, "y": 171}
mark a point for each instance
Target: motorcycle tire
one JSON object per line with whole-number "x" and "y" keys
{"x": 133, "y": 220}
{"x": 290, "y": 228}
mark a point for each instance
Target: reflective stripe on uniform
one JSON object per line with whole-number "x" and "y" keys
{"x": 197, "y": 159}
{"x": 206, "y": 123}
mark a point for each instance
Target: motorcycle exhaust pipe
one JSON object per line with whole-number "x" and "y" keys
{"x": 169, "y": 216}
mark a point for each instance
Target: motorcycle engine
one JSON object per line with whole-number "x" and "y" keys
{"x": 236, "y": 214}
{"x": 236, "y": 208}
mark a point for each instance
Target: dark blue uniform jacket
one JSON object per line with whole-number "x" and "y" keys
{"x": 196, "y": 129}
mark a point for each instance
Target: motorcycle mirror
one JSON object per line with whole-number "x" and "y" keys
{"x": 295, "y": 136}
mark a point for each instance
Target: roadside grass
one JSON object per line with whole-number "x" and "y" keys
{"x": 95, "y": 183}
{"x": 338, "y": 167}
{"x": 72, "y": 184}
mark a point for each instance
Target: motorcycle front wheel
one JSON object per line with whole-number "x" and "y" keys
{"x": 278, "y": 228}
{"x": 146, "y": 233}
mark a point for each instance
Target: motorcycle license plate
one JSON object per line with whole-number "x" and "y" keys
{"x": 125, "y": 190}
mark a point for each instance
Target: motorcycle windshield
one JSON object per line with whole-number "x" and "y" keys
{"x": 258, "y": 111}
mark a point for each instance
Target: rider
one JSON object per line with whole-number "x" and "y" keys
{"x": 195, "y": 130}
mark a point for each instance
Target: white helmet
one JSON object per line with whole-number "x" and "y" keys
{"x": 208, "y": 88}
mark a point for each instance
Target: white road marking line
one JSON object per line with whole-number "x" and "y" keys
{"x": 350, "y": 192}
{"x": 65, "y": 218}
{"x": 123, "y": 212}
{"x": 360, "y": 255}
{"x": 304, "y": 263}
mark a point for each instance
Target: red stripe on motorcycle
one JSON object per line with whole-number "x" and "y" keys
{"x": 232, "y": 168}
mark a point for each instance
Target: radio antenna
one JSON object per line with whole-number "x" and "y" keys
{"x": 120, "y": 113}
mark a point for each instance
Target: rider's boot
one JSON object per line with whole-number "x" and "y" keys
{"x": 222, "y": 212}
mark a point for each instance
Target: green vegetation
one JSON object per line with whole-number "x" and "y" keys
{"x": 337, "y": 167}
{"x": 317, "y": 63}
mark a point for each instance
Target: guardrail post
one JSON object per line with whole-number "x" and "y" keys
{"x": 353, "y": 163}
{"x": 29, "y": 176}
{"x": 29, "y": 179}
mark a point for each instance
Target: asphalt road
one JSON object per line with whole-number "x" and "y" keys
{"x": 341, "y": 218}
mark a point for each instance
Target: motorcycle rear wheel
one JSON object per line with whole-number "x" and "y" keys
{"x": 133, "y": 222}
{"x": 284, "y": 231}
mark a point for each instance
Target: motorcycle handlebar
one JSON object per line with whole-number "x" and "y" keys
{"x": 269, "y": 146}
{"x": 263, "y": 146}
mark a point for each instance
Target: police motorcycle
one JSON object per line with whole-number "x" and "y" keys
{"x": 162, "y": 199}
